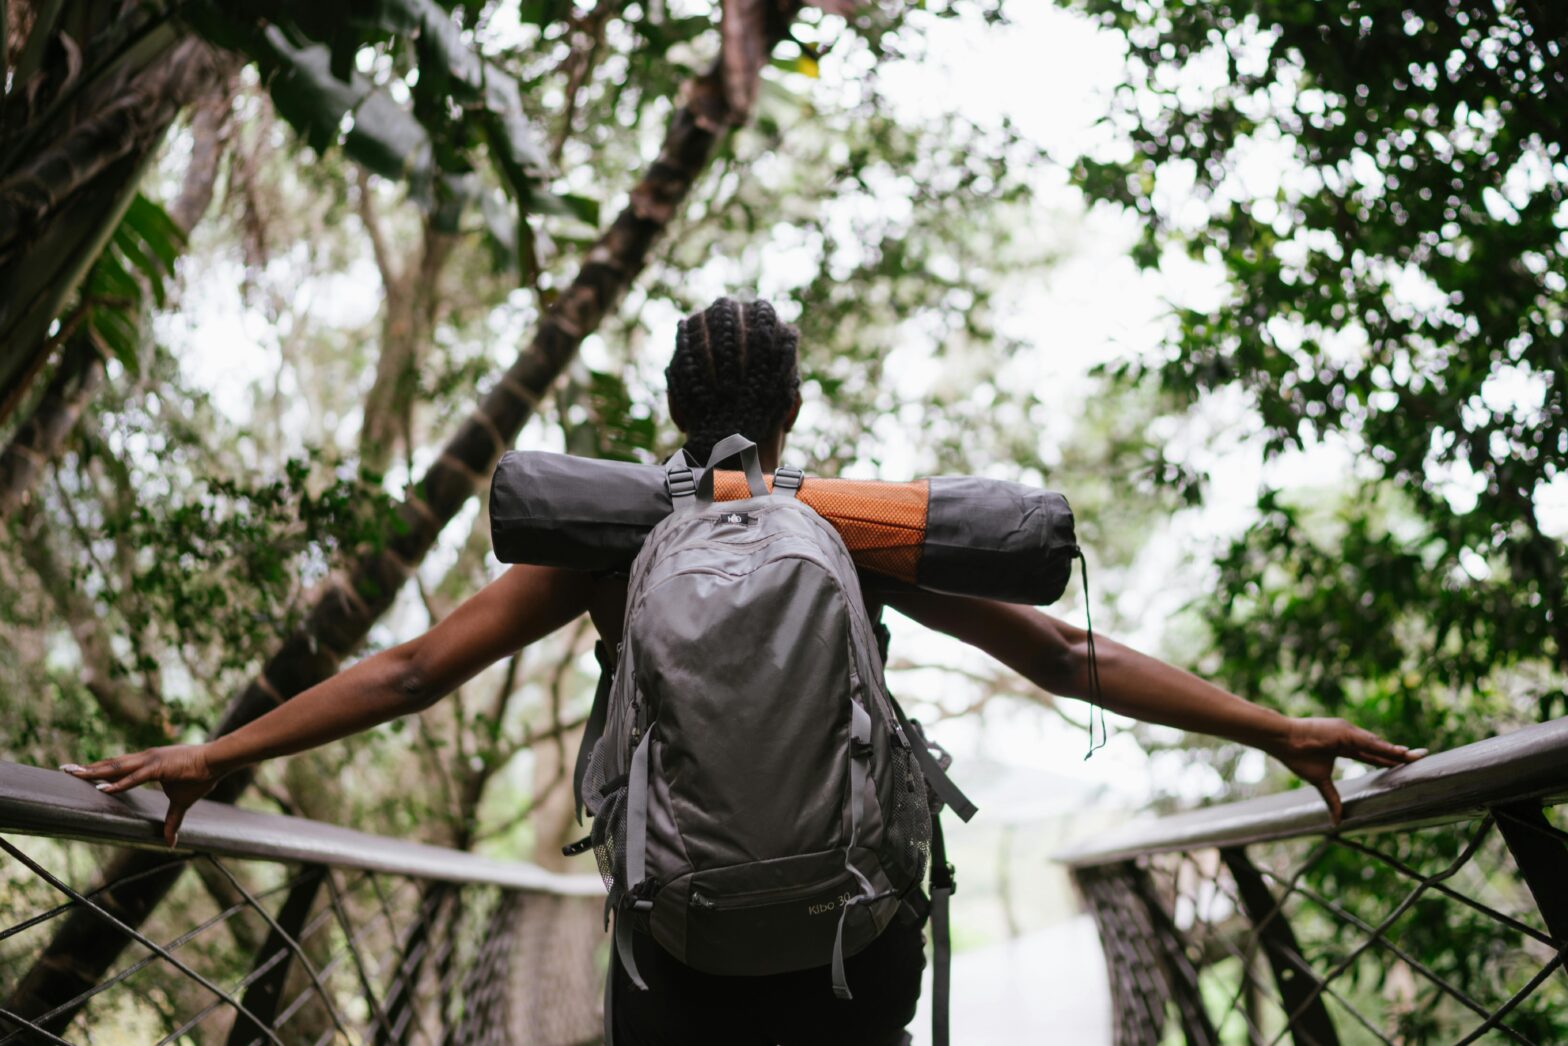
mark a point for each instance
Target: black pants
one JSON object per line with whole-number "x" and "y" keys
{"x": 684, "y": 1007}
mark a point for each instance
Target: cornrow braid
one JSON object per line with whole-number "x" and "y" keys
{"x": 734, "y": 370}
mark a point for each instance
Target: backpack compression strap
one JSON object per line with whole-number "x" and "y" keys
{"x": 634, "y": 898}
{"x": 859, "y": 776}
{"x": 943, "y": 882}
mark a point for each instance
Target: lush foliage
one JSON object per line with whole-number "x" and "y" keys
{"x": 1383, "y": 189}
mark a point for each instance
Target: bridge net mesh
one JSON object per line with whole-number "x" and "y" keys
{"x": 1440, "y": 934}
{"x": 247, "y": 951}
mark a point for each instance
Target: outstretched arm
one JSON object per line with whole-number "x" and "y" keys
{"x": 1054, "y": 656}
{"x": 523, "y": 605}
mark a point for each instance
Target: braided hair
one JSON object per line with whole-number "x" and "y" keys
{"x": 734, "y": 370}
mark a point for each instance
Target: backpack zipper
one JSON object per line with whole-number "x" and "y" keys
{"x": 761, "y": 898}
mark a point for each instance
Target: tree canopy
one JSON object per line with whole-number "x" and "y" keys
{"x": 1380, "y": 189}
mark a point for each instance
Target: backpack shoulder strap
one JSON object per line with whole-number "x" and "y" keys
{"x": 594, "y": 728}
{"x": 879, "y": 629}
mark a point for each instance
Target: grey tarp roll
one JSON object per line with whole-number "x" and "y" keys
{"x": 1000, "y": 540}
{"x": 559, "y": 510}
{"x": 959, "y": 534}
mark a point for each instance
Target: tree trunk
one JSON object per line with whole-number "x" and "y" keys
{"x": 41, "y": 436}
{"x": 553, "y": 998}
{"x": 80, "y": 371}
{"x": 59, "y": 206}
{"x": 408, "y": 321}
{"x": 348, "y": 605}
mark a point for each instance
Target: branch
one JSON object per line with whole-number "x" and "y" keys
{"x": 556, "y": 780}
{"x": 142, "y": 715}
{"x": 211, "y": 129}
{"x": 580, "y": 64}
{"x": 391, "y": 279}
{"x": 41, "y": 437}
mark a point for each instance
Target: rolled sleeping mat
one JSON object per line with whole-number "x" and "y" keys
{"x": 957, "y": 534}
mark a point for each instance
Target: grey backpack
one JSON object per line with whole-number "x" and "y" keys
{"x": 760, "y": 802}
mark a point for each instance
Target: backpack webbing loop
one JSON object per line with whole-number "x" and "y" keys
{"x": 635, "y": 898}
{"x": 623, "y": 949}
{"x": 730, "y": 447}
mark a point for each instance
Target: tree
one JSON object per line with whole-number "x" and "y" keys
{"x": 1381, "y": 187}
{"x": 95, "y": 88}
{"x": 1398, "y": 288}
{"x": 345, "y": 608}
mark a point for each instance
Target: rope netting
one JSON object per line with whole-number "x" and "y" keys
{"x": 1452, "y": 933}
{"x": 257, "y": 951}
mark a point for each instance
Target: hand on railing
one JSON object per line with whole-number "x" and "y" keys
{"x": 1310, "y": 747}
{"x": 182, "y": 770}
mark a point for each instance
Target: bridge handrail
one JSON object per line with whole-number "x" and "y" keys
{"x": 1530, "y": 764}
{"x": 36, "y": 801}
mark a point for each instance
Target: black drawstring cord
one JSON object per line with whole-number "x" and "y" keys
{"x": 1096, "y": 704}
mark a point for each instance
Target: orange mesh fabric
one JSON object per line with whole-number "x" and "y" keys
{"x": 883, "y": 524}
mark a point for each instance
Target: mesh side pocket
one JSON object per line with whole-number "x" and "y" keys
{"x": 909, "y": 827}
{"x": 594, "y": 778}
{"x": 609, "y": 839}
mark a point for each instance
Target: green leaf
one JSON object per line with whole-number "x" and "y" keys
{"x": 156, "y": 229}
{"x": 564, "y": 205}
{"x": 307, "y": 52}
{"x": 115, "y": 332}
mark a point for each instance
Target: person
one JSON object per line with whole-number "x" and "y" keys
{"x": 734, "y": 369}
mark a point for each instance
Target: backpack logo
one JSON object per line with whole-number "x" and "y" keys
{"x": 834, "y": 905}
{"x": 744, "y": 519}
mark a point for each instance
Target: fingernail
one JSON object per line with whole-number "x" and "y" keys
{"x": 72, "y": 768}
{"x": 1418, "y": 752}
{"x": 102, "y": 786}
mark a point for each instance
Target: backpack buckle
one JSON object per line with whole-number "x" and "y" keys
{"x": 787, "y": 480}
{"x": 639, "y": 898}
{"x": 682, "y": 483}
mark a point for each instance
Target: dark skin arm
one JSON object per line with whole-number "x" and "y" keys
{"x": 1054, "y": 656}
{"x": 527, "y": 603}
{"x": 521, "y": 606}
